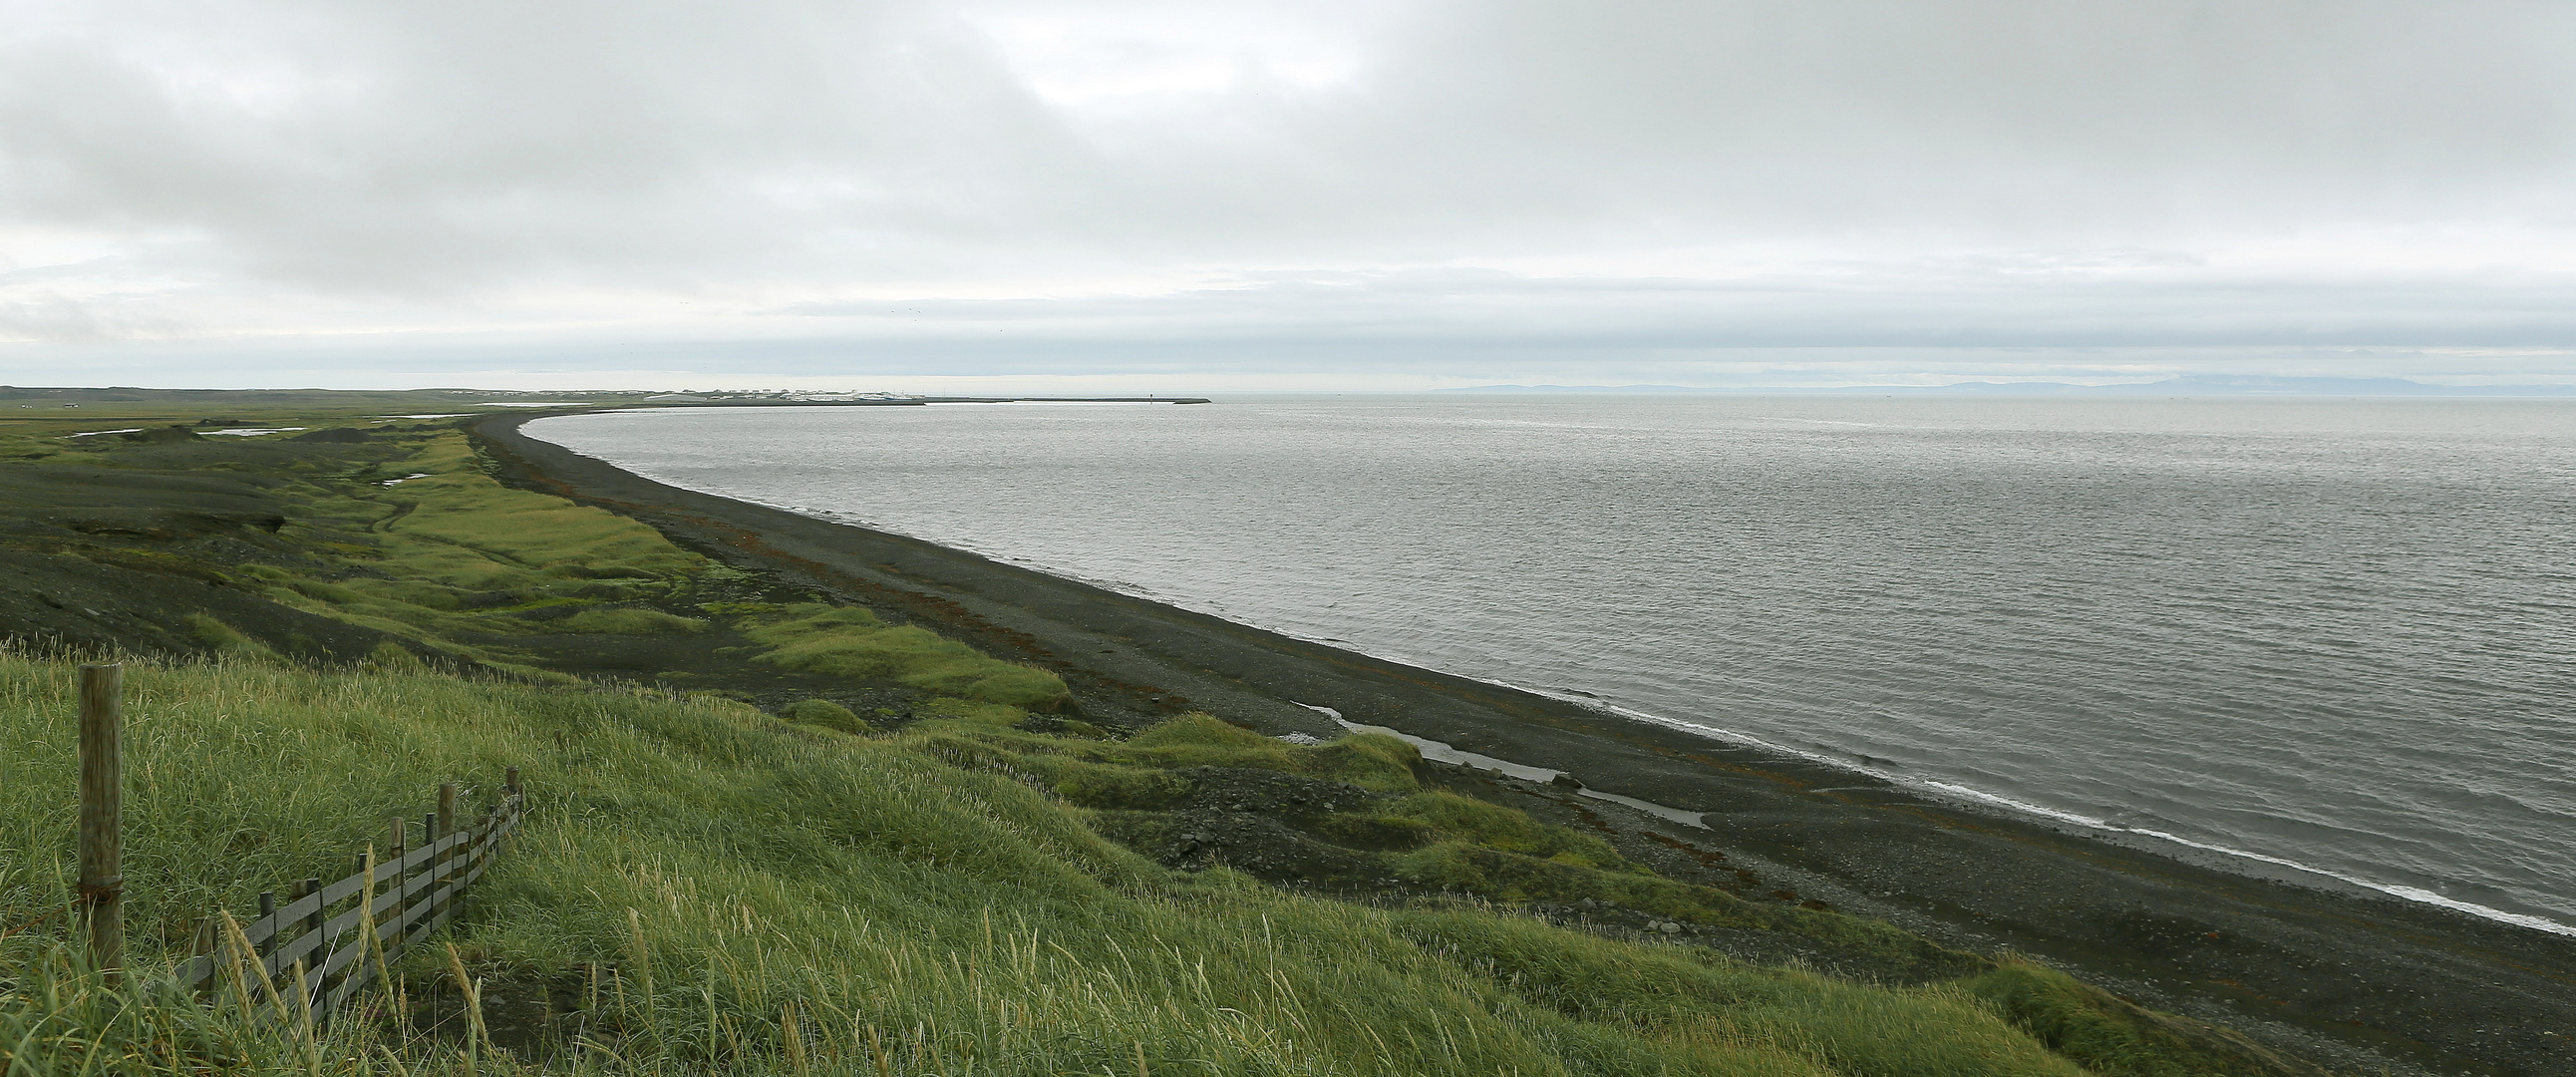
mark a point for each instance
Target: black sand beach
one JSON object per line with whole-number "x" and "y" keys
{"x": 2352, "y": 979}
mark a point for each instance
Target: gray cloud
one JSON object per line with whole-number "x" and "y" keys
{"x": 2002, "y": 115}
{"x": 1642, "y": 176}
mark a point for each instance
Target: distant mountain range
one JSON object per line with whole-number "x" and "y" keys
{"x": 2193, "y": 385}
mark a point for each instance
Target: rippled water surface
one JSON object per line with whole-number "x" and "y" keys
{"x": 2339, "y": 633}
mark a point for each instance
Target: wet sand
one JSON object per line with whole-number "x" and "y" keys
{"x": 2345, "y": 977}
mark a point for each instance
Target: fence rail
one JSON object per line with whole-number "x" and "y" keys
{"x": 407, "y": 896}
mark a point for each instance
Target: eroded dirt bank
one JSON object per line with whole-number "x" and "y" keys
{"x": 2354, "y": 980}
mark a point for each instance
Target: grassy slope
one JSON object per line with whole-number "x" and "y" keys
{"x": 701, "y": 877}
{"x": 944, "y": 917}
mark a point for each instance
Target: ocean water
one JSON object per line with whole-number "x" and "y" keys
{"x": 2336, "y": 634}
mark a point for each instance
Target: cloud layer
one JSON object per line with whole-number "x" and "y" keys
{"x": 1304, "y": 182}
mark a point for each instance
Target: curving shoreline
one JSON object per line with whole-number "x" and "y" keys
{"x": 2351, "y": 979}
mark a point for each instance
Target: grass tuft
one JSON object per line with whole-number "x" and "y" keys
{"x": 1476, "y": 822}
{"x": 849, "y": 642}
{"x": 632, "y": 622}
{"x": 224, "y": 639}
{"x": 825, "y": 713}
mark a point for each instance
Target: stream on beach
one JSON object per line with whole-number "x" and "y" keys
{"x": 2324, "y": 635}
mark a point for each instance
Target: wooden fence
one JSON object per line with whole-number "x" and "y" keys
{"x": 392, "y": 903}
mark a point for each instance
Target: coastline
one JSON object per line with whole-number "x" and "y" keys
{"x": 2352, "y": 979}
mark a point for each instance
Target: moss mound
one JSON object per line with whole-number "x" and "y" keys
{"x": 850, "y": 642}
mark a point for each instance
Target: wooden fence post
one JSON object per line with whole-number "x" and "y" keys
{"x": 102, "y": 812}
{"x": 320, "y": 914}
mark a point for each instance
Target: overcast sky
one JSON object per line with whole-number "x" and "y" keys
{"x": 1315, "y": 194}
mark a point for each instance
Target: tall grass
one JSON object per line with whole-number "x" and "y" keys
{"x": 722, "y": 892}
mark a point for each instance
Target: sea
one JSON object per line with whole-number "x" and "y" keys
{"x": 2328, "y": 638}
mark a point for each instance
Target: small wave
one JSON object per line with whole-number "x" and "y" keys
{"x": 2396, "y": 890}
{"x": 1825, "y": 422}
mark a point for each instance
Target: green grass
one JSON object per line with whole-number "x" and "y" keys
{"x": 1426, "y": 838}
{"x": 454, "y": 562}
{"x": 468, "y": 531}
{"x": 452, "y": 556}
{"x": 916, "y": 911}
{"x": 633, "y": 622}
{"x": 1371, "y": 761}
{"x": 851, "y": 642}
{"x": 2110, "y": 1037}
{"x": 1471, "y": 821}
{"x": 223, "y": 638}
{"x": 825, "y": 713}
